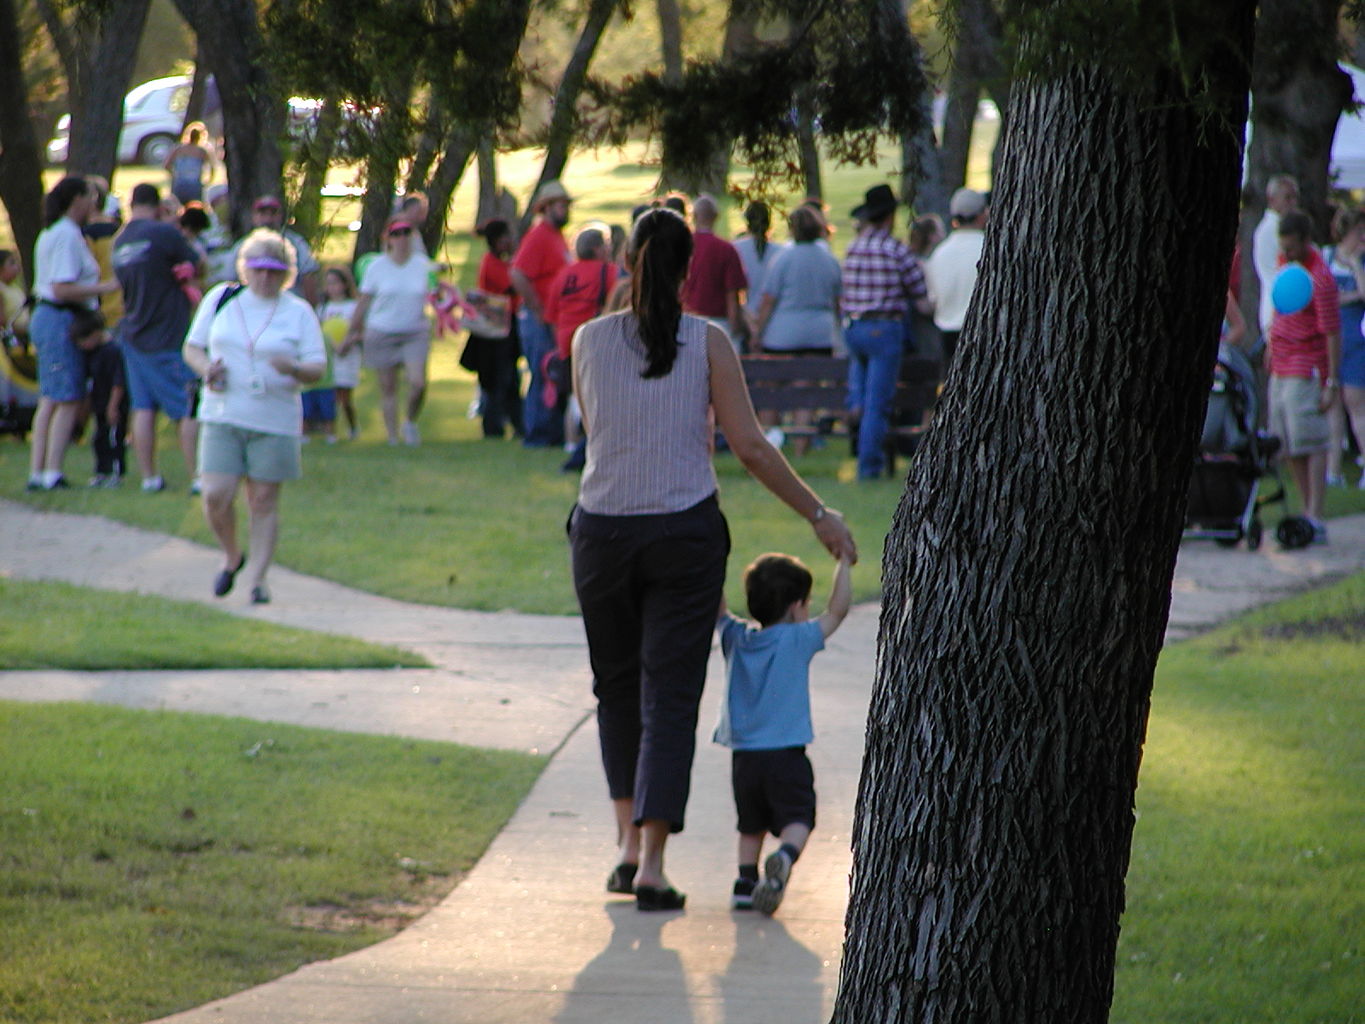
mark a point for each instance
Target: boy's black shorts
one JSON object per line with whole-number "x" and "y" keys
{"x": 773, "y": 789}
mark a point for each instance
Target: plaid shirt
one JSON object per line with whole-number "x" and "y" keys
{"x": 881, "y": 276}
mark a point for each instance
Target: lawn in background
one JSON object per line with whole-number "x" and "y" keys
{"x": 1246, "y": 891}
{"x": 153, "y": 861}
{"x": 50, "y": 625}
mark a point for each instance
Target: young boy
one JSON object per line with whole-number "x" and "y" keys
{"x": 108, "y": 396}
{"x": 765, "y": 719}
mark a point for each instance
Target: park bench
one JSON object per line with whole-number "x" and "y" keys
{"x": 818, "y": 385}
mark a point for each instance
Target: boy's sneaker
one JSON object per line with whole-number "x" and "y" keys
{"x": 743, "y": 896}
{"x": 769, "y": 892}
{"x": 1319, "y": 531}
{"x": 153, "y": 485}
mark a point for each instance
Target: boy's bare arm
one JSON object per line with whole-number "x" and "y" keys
{"x": 840, "y": 598}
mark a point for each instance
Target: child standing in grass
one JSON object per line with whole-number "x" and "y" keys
{"x": 766, "y": 721}
{"x": 335, "y": 314}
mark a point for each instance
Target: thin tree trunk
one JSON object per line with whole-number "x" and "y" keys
{"x": 460, "y": 147}
{"x": 1297, "y": 94}
{"x": 315, "y": 157}
{"x": 564, "y": 119}
{"x": 489, "y": 206}
{"x": 959, "y": 116}
{"x": 670, "y": 44}
{"x": 434, "y": 130}
{"x": 21, "y": 159}
{"x": 922, "y": 186}
{"x": 381, "y": 167}
{"x": 98, "y": 50}
{"x": 253, "y": 106}
{"x": 1027, "y": 575}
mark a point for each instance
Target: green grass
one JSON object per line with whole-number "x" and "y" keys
{"x": 56, "y": 625}
{"x": 1246, "y": 892}
{"x": 461, "y": 521}
{"x": 151, "y": 861}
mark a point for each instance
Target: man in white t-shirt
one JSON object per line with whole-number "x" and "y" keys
{"x": 1281, "y": 196}
{"x": 951, "y": 268}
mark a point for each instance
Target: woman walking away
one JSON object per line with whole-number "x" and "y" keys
{"x": 649, "y": 541}
{"x": 66, "y": 279}
{"x": 391, "y": 320}
{"x": 254, "y": 347}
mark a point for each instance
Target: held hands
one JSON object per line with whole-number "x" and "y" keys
{"x": 835, "y": 535}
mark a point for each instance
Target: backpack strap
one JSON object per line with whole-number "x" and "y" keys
{"x": 229, "y": 293}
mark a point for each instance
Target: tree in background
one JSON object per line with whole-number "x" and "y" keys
{"x": 97, "y": 42}
{"x": 1027, "y": 574}
{"x": 253, "y": 102}
{"x": 21, "y": 159}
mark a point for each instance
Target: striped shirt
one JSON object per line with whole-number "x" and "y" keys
{"x": 1298, "y": 341}
{"x": 649, "y": 440}
{"x": 881, "y": 276}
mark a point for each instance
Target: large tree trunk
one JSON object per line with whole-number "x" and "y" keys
{"x": 21, "y": 159}
{"x": 98, "y": 47}
{"x": 1297, "y": 94}
{"x": 564, "y": 118}
{"x": 253, "y": 106}
{"x": 1028, "y": 570}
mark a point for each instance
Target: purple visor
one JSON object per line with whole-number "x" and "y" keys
{"x": 266, "y": 263}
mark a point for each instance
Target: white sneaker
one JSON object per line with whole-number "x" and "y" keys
{"x": 411, "y": 437}
{"x": 1336, "y": 480}
{"x": 153, "y": 484}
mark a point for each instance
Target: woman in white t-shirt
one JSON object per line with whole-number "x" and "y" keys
{"x": 392, "y": 321}
{"x": 65, "y": 278}
{"x": 254, "y": 347}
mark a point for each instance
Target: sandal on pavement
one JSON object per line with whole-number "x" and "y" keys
{"x": 222, "y": 583}
{"x": 622, "y": 879}
{"x": 652, "y": 897}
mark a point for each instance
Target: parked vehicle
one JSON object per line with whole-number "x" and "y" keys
{"x": 153, "y": 114}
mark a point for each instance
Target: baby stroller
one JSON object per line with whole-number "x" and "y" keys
{"x": 18, "y": 383}
{"x": 1234, "y": 460}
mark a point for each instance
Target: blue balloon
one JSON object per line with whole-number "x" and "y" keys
{"x": 1292, "y": 290}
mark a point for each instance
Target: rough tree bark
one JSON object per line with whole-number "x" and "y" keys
{"x": 1297, "y": 94}
{"x": 1028, "y": 570}
{"x": 564, "y": 117}
{"x": 21, "y": 158}
{"x": 97, "y": 44}
{"x": 253, "y": 106}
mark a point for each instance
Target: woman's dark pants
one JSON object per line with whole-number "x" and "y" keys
{"x": 650, "y": 588}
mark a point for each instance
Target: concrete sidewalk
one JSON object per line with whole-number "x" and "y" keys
{"x": 530, "y": 935}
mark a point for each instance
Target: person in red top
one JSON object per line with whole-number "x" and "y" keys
{"x": 1305, "y": 352}
{"x": 716, "y": 276}
{"x": 495, "y": 359}
{"x": 541, "y": 255}
{"x": 580, "y": 290}
{"x": 579, "y": 293}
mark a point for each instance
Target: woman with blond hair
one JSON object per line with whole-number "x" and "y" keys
{"x": 254, "y": 347}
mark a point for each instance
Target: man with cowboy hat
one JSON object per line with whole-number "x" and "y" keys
{"x": 539, "y": 258}
{"x": 881, "y": 279}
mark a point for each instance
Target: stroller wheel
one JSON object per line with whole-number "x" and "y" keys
{"x": 1254, "y": 535}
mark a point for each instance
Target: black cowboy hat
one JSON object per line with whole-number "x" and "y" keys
{"x": 878, "y": 202}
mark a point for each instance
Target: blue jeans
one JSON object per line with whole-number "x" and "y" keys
{"x": 543, "y": 427}
{"x": 874, "y": 363}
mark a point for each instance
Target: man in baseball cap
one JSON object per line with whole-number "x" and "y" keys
{"x": 951, "y": 268}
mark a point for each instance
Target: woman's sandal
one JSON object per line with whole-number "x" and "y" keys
{"x": 222, "y": 583}
{"x": 650, "y": 897}
{"x": 622, "y": 879}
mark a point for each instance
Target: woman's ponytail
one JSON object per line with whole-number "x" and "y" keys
{"x": 662, "y": 246}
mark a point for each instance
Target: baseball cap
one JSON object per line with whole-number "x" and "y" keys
{"x": 967, "y": 204}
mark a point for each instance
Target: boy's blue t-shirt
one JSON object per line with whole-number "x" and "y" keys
{"x": 767, "y": 701}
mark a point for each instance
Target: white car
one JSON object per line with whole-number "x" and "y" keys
{"x": 153, "y": 114}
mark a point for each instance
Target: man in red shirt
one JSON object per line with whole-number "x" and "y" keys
{"x": 1305, "y": 352}
{"x": 716, "y": 276}
{"x": 541, "y": 255}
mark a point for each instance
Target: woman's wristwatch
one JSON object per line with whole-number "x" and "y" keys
{"x": 820, "y": 513}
